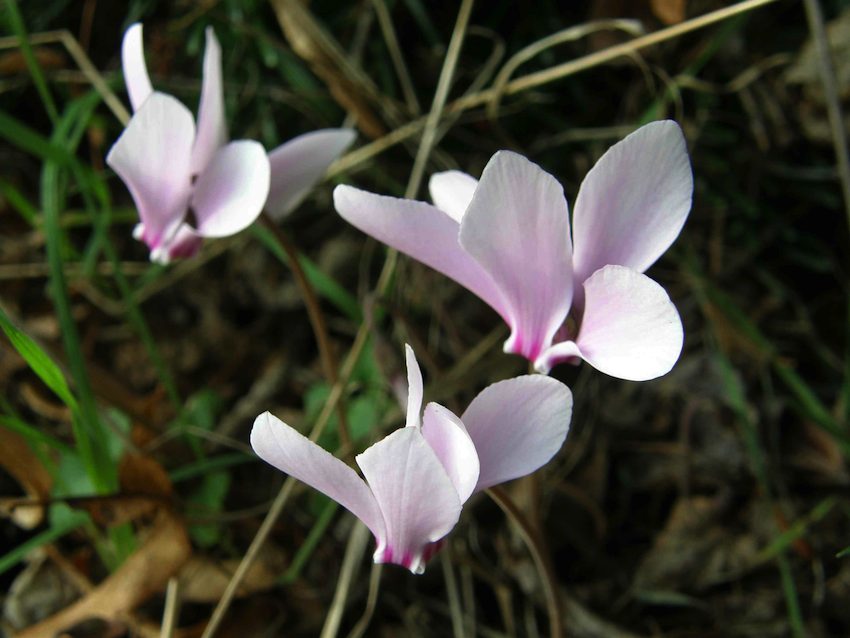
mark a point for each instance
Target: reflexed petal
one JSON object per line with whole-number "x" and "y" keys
{"x": 300, "y": 163}
{"x": 133, "y": 63}
{"x": 289, "y": 451}
{"x": 454, "y": 448}
{"x": 630, "y": 328}
{"x": 152, "y": 158}
{"x": 414, "y": 388}
{"x": 421, "y": 231}
{"x": 230, "y": 193}
{"x": 415, "y": 495}
{"x": 451, "y": 192}
{"x": 634, "y": 201}
{"x": 212, "y": 128}
{"x": 517, "y": 426}
{"x": 517, "y": 227}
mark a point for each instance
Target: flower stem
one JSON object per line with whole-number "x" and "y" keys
{"x": 534, "y": 545}
{"x": 317, "y": 320}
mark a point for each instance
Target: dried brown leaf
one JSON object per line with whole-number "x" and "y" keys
{"x": 144, "y": 574}
{"x": 18, "y": 459}
{"x": 203, "y": 579}
{"x": 668, "y": 11}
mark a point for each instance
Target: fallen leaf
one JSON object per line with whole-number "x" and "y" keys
{"x": 18, "y": 459}
{"x": 310, "y": 42}
{"x": 144, "y": 574}
{"x": 668, "y": 11}
{"x": 203, "y": 580}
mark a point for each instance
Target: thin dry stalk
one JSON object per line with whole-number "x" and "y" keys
{"x": 371, "y": 602}
{"x": 283, "y": 495}
{"x": 455, "y": 607}
{"x": 632, "y": 27}
{"x": 357, "y": 541}
{"x": 338, "y": 388}
{"x": 72, "y": 46}
{"x": 172, "y": 608}
{"x": 388, "y": 31}
{"x": 440, "y": 96}
{"x": 547, "y": 579}
{"x": 540, "y": 78}
{"x": 316, "y": 317}
{"x": 833, "y": 101}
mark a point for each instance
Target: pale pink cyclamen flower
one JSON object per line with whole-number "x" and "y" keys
{"x": 507, "y": 239}
{"x": 418, "y": 477}
{"x": 170, "y": 167}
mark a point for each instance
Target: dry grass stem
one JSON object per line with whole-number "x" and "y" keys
{"x": 814, "y": 15}
{"x": 72, "y": 46}
{"x": 540, "y": 78}
{"x": 362, "y": 625}
{"x": 404, "y": 79}
{"x": 357, "y": 541}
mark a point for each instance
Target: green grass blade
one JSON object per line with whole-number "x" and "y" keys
{"x": 51, "y": 534}
{"x": 31, "y": 433}
{"x": 309, "y": 545}
{"x": 19, "y": 202}
{"x": 39, "y": 361}
{"x": 17, "y": 24}
{"x": 23, "y": 137}
{"x": 87, "y": 426}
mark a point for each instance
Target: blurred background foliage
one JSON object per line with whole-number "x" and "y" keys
{"x": 711, "y": 502}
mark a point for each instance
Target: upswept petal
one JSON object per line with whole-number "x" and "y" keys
{"x": 418, "y": 500}
{"x": 517, "y": 426}
{"x": 289, "y": 451}
{"x": 451, "y": 192}
{"x": 517, "y": 228}
{"x": 630, "y": 328}
{"x": 152, "y": 158}
{"x": 133, "y": 63}
{"x": 453, "y": 446}
{"x": 300, "y": 163}
{"x": 212, "y": 127}
{"x": 421, "y": 231}
{"x": 415, "y": 389}
{"x": 230, "y": 193}
{"x": 634, "y": 201}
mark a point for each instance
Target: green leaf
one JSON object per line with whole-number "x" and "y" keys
{"x": 38, "y": 361}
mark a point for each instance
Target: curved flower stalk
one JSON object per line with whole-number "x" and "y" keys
{"x": 187, "y": 181}
{"x": 418, "y": 477}
{"x": 507, "y": 239}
